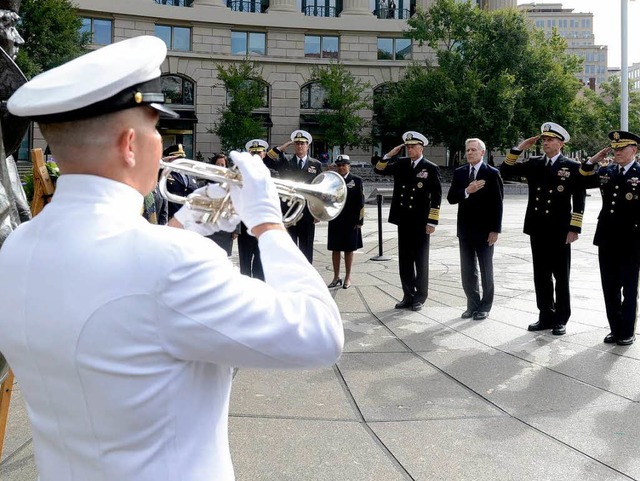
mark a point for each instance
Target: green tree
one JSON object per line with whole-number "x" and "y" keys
{"x": 594, "y": 115}
{"x": 246, "y": 92}
{"x": 52, "y": 36}
{"x": 495, "y": 78}
{"x": 341, "y": 122}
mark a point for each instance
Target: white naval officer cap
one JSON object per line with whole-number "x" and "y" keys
{"x": 119, "y": 76}
{"x": 301, "y": 136}
{"x": 256, "y": 145}
{"x": 343, "y": 159}
{"x": 412, "y": 137}
{"x": 551, "y": 129}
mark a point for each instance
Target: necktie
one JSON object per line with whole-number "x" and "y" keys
{"x": 620, "y": 170}
{"x": 472, "y": 173}
{"x": 548, "y": 162}
{"x": 300, "y": 163}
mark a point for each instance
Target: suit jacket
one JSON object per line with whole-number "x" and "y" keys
{"x": 619, "y": 219}
{"x": 417, "y": 193}
{"x": 481, "y": 212}
{"x": 287, "y": 168}
{"x": 556, "y": 195}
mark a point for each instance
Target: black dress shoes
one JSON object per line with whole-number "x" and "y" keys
{"x": 609, "y": 338}
{"x": 416, "y": 306}
{"x": 404, "y": 304}
{"x": 627, "y": 341}
{"x": 559, "y": 330}
{"x": 538, "y": 326}
{"x": 480, "y": 315}
{"x": 468, "y": 314}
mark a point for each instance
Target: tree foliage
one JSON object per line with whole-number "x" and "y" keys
{"x": 52, "y": 36}
{"x": 245, "y": 89}
{"x": 594, "y": 115}
{"x": 495, "y": 78}
{"x": 341, "y": 122}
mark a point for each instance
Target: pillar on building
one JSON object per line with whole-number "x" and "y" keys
{"x": 210, "y": 3}
{"x": 355, "y": 7}
{"x": 500, "y": 4}
{"x": 278, "y": 6}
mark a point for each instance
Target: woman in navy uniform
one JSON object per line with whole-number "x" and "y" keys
{"x": 618, "y": 232}
{"x": 553, "y": 221}
{"x": 344, "y": 231}
{"x": 415, "y": 209}
{"x": 300, "y": 168}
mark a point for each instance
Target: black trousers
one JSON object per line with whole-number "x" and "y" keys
{"x": 551, "y": 261}
{"x": 249, "y": 256}
{"x": 303, "y": 234}
{"x": 413, "y": 257}
{"x": 474, "y": 251}
{"x": 619, "y": 267}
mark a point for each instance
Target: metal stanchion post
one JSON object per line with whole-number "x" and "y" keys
{"x": 380, "y": 256}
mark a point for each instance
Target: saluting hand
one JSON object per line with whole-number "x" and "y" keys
{"x": 600, "y": 156}
{"x": 528, "y": 143}
{"x": 395, "y": 150}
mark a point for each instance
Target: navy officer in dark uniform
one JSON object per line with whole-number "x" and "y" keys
{"x": 618, "y": 232}
{"x": 415, "y": 209}
{"x": 300, "y": 167}
{"x": 553, "y": 220}
{"x": 478, "y": 190}
{"x": 177, "y": 183}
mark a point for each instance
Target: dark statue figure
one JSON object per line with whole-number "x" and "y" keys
{"x": 13, "y": 203}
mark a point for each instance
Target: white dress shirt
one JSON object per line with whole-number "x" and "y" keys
{"x": 123, "y": 334}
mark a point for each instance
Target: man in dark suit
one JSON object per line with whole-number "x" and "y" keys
{"x": 618, "y": 232}
{"x": 553, "y": 221}
{"x": 298, "y": 168}
{"x": 415, "y": 209}
{"x": 477, "y": 189}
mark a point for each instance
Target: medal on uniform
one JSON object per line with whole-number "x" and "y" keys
{"x": 419, "y": 185}
{"x": 561, "y": 188}
{"x": 629, "y": 196}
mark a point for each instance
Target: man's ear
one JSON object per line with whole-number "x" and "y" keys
{"x": 126, "y": 147}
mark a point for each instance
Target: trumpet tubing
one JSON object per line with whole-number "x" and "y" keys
{"x": 325, "y": 196}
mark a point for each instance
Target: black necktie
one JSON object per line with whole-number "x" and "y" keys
{"x": 300, "y": 163}
{"x": 548, "y": 162}
{"x": 472, "y": 173}
{"x": 620, "y": 170}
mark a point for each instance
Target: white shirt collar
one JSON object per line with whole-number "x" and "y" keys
{"x": 93, "y": 189}
{"x": 554, "y": 158}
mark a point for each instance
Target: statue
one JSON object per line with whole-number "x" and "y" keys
{"x": 14, "y": 207}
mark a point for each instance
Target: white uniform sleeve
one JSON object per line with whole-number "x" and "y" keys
{"x": 208, "y": 311}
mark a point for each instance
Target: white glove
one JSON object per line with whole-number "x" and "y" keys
{"x": 191, "y": 219}
{"x": 257, "y": 201}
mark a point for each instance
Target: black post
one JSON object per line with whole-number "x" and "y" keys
{"x": 380, "y": 256}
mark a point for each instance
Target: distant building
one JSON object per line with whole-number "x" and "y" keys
{"x": 634, "y": 76}
{"x": 577, "y": 29}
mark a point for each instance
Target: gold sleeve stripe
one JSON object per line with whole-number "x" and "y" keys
{"x": 586, "y": 173}
{"x": 361, "y": 214}
{"x": 511, "y": 159}
{"x": 382, "y": 165}
{"x": 272, "y": 154}
{"x": 434, "y": 214}
{"x": 576, "y": 220}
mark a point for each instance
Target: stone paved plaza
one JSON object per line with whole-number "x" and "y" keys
{"x": 429, "y": 396}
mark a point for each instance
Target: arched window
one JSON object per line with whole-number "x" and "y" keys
{"x": 179, "y": 92}
{"x": 312, "y": 96}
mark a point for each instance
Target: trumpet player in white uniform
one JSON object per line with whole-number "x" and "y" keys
{"x": 123, "y": 334}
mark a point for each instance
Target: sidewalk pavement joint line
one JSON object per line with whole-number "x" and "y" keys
{"x": 15, "y": 452}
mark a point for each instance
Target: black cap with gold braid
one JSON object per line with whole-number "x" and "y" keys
{"x": 621, "y": 138}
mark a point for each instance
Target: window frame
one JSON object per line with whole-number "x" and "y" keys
{"x": 92, "y": 29}
{"x": 394, "y": 48}
{"x": 321, "y": 54}
{"x": 247, "y": 43}
{"x": 171, "y": 45}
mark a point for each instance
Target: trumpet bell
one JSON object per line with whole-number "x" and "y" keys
{"x": 325, "y": 196}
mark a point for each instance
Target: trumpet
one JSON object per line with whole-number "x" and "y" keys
{"x": 325, "y": 195}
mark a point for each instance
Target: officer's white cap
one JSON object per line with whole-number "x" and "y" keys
{"x": 256, "y": 145}
{"x": 551, "y": 129}
{"x": 343, "y": 159}
{"x": 301, "y": 136}
{"x": 116, "y": 77}
{"x": 412, "y": 137}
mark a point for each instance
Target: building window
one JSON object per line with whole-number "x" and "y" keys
{"x": 394, "y": 49}
{"x": 248, "y": 43}
{"x": 176, "y": 38}
{"x": 100, "y": 29}
{"x": 176, "y": 3}
{"x": 320, "y": 8}
{"x": 251, "y": 6}
{"x": 316, "y": 46}
{"x": 312, "y": 96}
{"x": 177, "y": 90}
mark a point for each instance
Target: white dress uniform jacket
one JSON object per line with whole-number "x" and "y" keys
{"x": 123, "y": 334}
